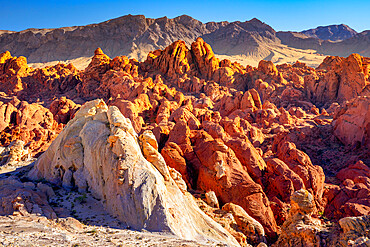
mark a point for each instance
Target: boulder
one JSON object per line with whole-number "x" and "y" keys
{"x": 31, "y": 123}
{"x": 98, "y": 151}
{"x": 17, "y": 198}
{"x": 352, "y": 122}
{"x": 300, "y": 163}
{"x": 223, "y": 173}
{"x": 63, "y": 109}
{"x": 353, "y": 171}
{"x": 300, "y": 229}
{"x": 251, "y": 228}
{"x": 14, "y": 153}
{"x": 352, "y": 197}
{"x": 355, "y": 231}
{"x": 211, "y": 199}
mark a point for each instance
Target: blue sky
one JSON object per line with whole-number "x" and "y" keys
{"x": 282, "y": 15}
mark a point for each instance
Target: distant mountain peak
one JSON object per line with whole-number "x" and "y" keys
{"x": 135, "y": 36}
{"x": 255, "y": 20}
{"x": 331, "y": 32}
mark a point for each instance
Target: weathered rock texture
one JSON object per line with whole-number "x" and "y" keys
{"x": 14, "y": 153}
{"x": 300, "y": 229}
{"x": 249, "y": 226}
{"x": 352, "y": 196}
{"x": 17, "y": 198}
{"x": 253, "y": 136}
{"x": 303, "y": 229}
{"x": 352, "y": 122}
{"x": 355, "y": 231}
{"x": 32, "y": 124}
{"x": 98, "y": 151}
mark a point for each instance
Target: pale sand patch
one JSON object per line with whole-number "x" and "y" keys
{"x": 280, "y": 54}
{"x": 38, "y": 231}
{"x": 80, "y": 63}
{"x": 82, "y": 221}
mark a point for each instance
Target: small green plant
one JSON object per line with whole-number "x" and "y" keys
{"x": 92, "y": 231}
{"x": 81, "y": 199}
{"x": 321, "y": 215}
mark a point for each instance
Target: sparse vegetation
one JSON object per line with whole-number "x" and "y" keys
{"x": 92, "y": 231}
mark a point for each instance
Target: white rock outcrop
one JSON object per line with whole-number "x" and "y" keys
{"x": 99, "y": 151}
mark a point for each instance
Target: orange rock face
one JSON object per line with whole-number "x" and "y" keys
{"x": 63, "y": 109}
{"x": 7, "y": 114}
{"x": 254, "y": 136}
{"x": 31, "y": 123}
{"x": 338, "y": 79}
{"x": 353, "y": 73}
{"x": 222, "y": 172}
{"x": 352, "y": 122}
{"x": 12, "y": 69}
{"x": 16, "y": 78}
{"x": 352, "y": 197}
{"x": 312, "y": 176}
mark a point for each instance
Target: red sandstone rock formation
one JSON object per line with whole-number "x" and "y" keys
{"x": 352, "y": 75}
{"x": 16, "y": 78}
{"x": 31, "y": 123}
{"x": 254, "y": 136}
{"x": 222, "y": 172}
{"x": 352, "y": 197}
{"x": 63, "y": 109}
{"x": 352, "y": 122}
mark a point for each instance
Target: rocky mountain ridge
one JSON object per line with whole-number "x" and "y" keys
{"x": 359, "y": 43}
{"x": 135, "y": 36}
{"x": 332, "y": 32}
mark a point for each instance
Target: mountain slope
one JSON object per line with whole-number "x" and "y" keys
{"x": 332, "y": 32}
{"x": 127, "y": 35}
{"x": 135, "y": 36}
{"x": 360, "y": 43}
{"x": 250, "y": 38}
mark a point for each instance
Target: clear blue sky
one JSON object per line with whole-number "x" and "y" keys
{"x": 282, "y": 15}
